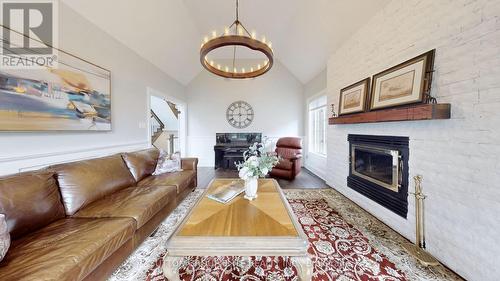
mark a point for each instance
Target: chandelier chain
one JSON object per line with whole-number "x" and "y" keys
{"x": 237, "y": 11}
{"x": 234, "y": 57}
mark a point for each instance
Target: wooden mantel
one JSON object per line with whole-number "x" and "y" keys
{"x": 404, "y": 113}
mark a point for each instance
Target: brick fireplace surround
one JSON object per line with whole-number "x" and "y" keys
{"x": 458, "y": 158}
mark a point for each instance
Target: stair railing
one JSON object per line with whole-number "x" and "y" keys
{"x": 157, "y": 126}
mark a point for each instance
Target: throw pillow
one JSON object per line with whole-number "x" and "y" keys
{"x": 168, "y": 163}
{"x": 4, "y": 237}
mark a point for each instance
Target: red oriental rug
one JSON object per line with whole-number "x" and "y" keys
{"x": 345, "y": 243}
{"x": 338, "y": 251}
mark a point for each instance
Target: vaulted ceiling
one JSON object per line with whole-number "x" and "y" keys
{"x": 168, "y": 33}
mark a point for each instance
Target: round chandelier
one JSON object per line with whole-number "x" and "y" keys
{"x": 236, "y": 35}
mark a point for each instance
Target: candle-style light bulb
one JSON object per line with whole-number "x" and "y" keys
{"x": 258, "y": 66}
{"x": 218, "y": 66}
{"x": 214, "y": 34}
{"x": 240, "y": 30}
{"x": 205, "y": 39}
{"x": 212, "y": 63}
{"x": 235, "y": 70}
{"x": 254, "y": 34}
{"x": 251, "y": 69}
{"x": 264, "y": 39}
{"x": 243, "y": 70}
{"x": 226, "y": 30}
{"x": 227, "y": 69}
{"x": 270, "y": 45}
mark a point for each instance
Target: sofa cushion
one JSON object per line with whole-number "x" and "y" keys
{"x": 84, "y": 182}
{"x": 67, "y": 249}
{"x": 140, "y": 203}
{"x": 141, "y": 163}
{"x": 181, "y": 180}
{"x": 30, "y": 201}
{"x": 168, "y": 163}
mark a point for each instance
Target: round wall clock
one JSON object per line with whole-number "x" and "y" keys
{"x": 240, "y": 114}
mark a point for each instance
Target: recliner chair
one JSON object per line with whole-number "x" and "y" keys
{"x": 290, "y": 150}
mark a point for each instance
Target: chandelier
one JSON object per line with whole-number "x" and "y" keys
{"x": 236, "y": 35}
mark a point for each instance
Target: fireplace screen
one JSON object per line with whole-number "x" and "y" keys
{"x": 377, "y": 165}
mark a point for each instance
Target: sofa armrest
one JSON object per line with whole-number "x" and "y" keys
{"x": 189, "y": 164}
{"x": 295, "y": 157}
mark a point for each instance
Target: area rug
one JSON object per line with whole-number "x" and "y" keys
{"x": 345, "y": 243}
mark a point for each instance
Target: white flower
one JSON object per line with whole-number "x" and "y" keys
{"x": 243, "y": 173}
{"x": 257, "y": 163}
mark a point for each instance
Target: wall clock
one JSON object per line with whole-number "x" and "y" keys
{"x": 239, "y": 114}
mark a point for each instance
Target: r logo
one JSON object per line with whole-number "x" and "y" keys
{"x": 33, "y": 19}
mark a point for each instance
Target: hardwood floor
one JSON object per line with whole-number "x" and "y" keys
{"x": 305, "y": 179}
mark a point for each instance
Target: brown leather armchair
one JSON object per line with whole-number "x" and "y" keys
{"x": 290, "y": 150}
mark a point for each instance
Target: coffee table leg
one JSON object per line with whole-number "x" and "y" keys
{"x": 304, "y": 267}
{"x": 171, "y": 266}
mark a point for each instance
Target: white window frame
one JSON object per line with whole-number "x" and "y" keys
{"x": 312, "y": 127}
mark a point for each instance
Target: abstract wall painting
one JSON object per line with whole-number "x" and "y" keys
{"x": 75, "y": 96}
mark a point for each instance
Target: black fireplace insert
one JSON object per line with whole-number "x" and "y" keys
{"x": 378, "y": 169}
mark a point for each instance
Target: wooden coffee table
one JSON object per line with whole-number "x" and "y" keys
{"x": 265, "y": 226}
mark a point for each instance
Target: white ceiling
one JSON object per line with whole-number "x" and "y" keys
{"x": 168, "y": 33}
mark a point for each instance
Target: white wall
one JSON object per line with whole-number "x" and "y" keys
{"x": 458, "y": 158}
{"x": 276, "y": 97}
{"x": 130, "y": 76}
{"x": 314, "y": 88}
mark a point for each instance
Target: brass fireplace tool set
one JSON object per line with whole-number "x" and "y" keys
{"x": 418, "y": 249}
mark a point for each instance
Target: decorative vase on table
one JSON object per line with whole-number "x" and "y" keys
{"x": 251, "y": 186}
{"x": 258, "y": 162}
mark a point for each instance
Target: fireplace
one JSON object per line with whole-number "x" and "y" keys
{"x": 378, "y": 169}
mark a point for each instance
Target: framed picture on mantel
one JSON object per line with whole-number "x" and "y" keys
{"x": 402, "y": 84}
{"x": 353, "y": 97}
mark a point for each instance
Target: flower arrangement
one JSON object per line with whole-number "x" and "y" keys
{"x": 258, "y": 163}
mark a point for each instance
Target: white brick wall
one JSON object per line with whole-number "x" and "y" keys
{"x": 459, "y": 158}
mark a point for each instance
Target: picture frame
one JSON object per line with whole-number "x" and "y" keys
{"x": 75, "y": 96}
{"x": 353, "y": 98}
{"x": 405, "y": 83}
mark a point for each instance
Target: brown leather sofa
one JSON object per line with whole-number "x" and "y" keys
{"x": 81, "y": 220}
{"x": 290, "y": 151}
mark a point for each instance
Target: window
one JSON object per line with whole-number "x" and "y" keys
{"x": 317, "y": 125}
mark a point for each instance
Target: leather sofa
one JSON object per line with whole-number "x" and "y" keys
{"x": 290, "y": 151}
{"x": 81, "y": 220}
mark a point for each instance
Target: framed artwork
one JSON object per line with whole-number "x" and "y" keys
{"x": 353, "y": 97}
{"x": 402, "y": 84}
{"x": 75, "y": 96}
